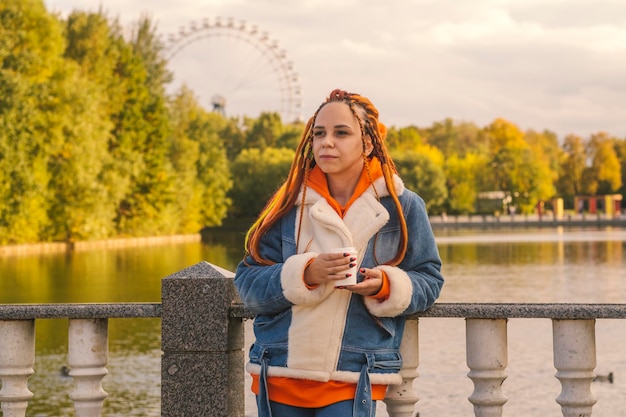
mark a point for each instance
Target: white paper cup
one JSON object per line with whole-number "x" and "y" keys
{"x": 351, "y": 280}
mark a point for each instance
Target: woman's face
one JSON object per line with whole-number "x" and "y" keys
{"x": 337, "y": 143}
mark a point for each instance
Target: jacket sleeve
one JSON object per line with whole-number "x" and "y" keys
{"x": 271, "y": 289}
{"x": 415, "y": 284}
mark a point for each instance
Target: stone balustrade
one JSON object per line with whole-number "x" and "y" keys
{"x": 203, "y": 349}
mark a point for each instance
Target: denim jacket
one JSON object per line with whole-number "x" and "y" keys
{"x": 326, "y": 333}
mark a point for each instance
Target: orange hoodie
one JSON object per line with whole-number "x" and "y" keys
{"x": 318, "y": 182}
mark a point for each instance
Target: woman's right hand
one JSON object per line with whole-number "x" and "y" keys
{"x": 328, "y": 267}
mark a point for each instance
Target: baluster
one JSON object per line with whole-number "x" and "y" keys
{"x": 17, "y": 357}
{"x": 575, "y": 360}
{"x": 401, "y": 399}
{"x": 487, "y": 359}
{"x": 87, "y": 357}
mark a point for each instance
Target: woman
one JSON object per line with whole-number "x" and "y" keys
{"x": 320, "y": 350}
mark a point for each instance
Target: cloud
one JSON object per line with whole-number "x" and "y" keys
{"x": 542, "y": 64}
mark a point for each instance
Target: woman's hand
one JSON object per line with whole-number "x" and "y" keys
{"x": 332, "y": 267}
{"x": 371, "y": 284}
{"x": 328, "y": 267}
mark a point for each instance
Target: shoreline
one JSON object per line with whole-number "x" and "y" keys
{"x": 437, "y": 222}
{"x": 65, "y": 247}
{"x": 526, "y": 220}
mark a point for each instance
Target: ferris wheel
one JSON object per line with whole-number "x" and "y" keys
{"x": 235, "y": 68}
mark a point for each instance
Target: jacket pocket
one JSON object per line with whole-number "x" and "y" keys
{"x": 275, "y": 355}
{"x": 388, "y": 324}
{"x": 270, "y": 328}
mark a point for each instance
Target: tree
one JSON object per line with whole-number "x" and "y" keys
{"x": 462, "y": 181}
{"x": 23, "y": 163}
{"x": 184, "y": 152}
{"x": 258, "y": 175}
{"x": 455, "y": 137}
{"x": 199, "y": 159}
{"x": 234, "y": 138}
{"x": 138, "y": 172}
{"x": 213, "y": 170}
{"x": 90, "y": 44}
{"x": 620, "y": 151}
{"x": 547, "y": 152}
{"x": 94, "y": 43}
{"x": 80, "y": 208}
{"x": 404, "y": 138}
{"x": 147, "y": 45}
{"x": 265, "y": 131}
{"x": 140, "y": 139}
{"x": 572, "y": 167}
{"x": 421, "y": 173}
{"x": 514, "y": 168}
{"x": 290, "y": 136}
{"x": 605, "y": 165}
{"x": 31, "y": 44}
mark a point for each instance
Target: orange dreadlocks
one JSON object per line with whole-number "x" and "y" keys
{"x": 285, "y": 198}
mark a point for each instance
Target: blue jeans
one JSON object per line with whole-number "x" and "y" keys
{"x": 340, "y": 409}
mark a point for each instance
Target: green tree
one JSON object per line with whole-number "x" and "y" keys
{"x": 605, "y": 166}
{"x": 214, "y": 171}
{"x": 572, "y": 167}
{"x": 455, "y": 137}
{"x": 199, "y": 158}
{"x": 234, "y": 138}
{"x": 90, "y": 44}
{"x": 405, "y": 138}
{"x": 462, "y": 179}
{"x": 95, "y": 44}
{"x": 620, "y": 151}
{"x": 146, "y": 44}
{"x": 264, "y": 132}
{"x": 291, "y": 135}
{"x": 422, "y": 174}
{"x": 140, "y": 138}
{"x": 31, "y": 40}
{"x": 545, "y": 157}
{"x": 31, "y": 44}
{"x": 23, "y": 162}
{"x": 514, "y": 168}
{"x": 80, "y": 208}
{"x": 547, "y": 149}
{"x": 258, "y": 175}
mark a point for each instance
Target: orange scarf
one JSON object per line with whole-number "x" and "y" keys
{"x": 318, "y": 182}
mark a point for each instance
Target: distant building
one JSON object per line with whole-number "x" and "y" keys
{"x": 490, "y": 202}
{"x": 609, "y": 204}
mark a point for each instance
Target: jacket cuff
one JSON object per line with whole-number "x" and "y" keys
{"x": 291, "y": 279}
{"x": 383, "y": 293}
{"x": 400, "y": 294}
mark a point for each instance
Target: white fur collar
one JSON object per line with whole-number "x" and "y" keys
{"x": 379, "y": 186}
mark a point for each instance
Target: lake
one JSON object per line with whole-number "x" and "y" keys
{"x": 546, "y": 265}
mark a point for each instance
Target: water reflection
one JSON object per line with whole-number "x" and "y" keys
{"x": 551, "y": 266}
{"x": 540, "y": 265}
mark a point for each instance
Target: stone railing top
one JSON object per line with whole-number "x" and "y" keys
{"x": 79, "y": 311}
{"x": 506, "y": 310}
{"x": 521, "y": 310}
{"x": 459, "y": 310}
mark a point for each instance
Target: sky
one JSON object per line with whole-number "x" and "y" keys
{"x": 557, "y": 65}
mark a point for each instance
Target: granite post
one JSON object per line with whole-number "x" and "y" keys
{"x": 202, "y": 367}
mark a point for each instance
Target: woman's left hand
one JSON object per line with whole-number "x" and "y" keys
{"x": 371, "y": 284}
